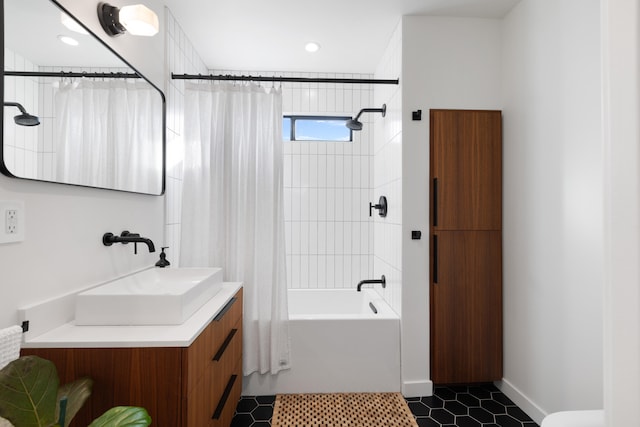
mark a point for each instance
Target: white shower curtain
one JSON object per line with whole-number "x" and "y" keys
{"x": 106, "y": 131}
{"x": 233, "y": 207}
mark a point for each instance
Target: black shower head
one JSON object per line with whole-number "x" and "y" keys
{"x": 26, "y": 120}
{"x": 355, "y": 124}
{"x": 23, "y": 119}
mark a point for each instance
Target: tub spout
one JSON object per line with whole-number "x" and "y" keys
{"x": 382, "y": 281}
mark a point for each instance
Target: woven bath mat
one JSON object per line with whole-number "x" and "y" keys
{"x": 342, "y": 410}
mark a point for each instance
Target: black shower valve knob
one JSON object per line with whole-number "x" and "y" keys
{"x": 381, "y": 207}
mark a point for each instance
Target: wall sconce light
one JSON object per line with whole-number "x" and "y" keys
{"x": 137, "y": 19}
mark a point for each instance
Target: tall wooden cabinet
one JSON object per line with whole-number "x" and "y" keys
{"x": 466, "y": 246}
{"x": 193, "y": 386}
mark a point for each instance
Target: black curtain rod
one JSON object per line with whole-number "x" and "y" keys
{"x": 282, "y": 79}
{"x": 72, "y": 74}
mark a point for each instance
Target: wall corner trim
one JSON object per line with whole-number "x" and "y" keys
{"x": 519, "y": 398}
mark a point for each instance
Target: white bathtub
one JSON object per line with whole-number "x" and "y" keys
{"x": 338, "y": 345}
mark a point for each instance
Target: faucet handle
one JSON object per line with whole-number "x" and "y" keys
{"x": 127, "y": 233}
{"x": 108, "y": 239}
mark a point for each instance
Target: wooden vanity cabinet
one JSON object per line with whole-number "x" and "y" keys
{"x": 193, "y": 386}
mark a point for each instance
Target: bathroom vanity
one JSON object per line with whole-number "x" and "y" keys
{"x": 187, "y": 375}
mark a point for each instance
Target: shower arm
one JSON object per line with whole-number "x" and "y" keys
{"x": 370, "y": 110}
{"x": 18, "y": 106}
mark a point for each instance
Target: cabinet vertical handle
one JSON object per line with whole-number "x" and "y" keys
{"x": 224, "y": 346}
{"x": 435, "y": 259}
{"x": 224, "y": 397}
{"x": 435, "y": 202}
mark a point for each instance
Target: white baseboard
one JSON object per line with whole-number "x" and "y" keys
{"x": 417, "y": 388}
{"x": 527, "y": 405}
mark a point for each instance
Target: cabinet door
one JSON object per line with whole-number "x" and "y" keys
{"x": 466, "y": 307}
{"x": 147, "y": 377}
{"x": 466, "y": 169}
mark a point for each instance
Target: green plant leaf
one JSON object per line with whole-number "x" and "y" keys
{"x": 28, "y": 388}
{"x": 77, "y": 392}
{"x": 123, "y": 416}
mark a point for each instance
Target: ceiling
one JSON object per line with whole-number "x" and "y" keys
{"x": 42, "y": 47}
{"x": 269, "y": 35}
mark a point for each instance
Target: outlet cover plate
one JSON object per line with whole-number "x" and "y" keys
{"x": 12, "y": 221}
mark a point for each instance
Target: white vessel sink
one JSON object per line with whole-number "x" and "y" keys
{"x": 158, "y": 296}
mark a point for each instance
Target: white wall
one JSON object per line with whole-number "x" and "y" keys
{"x": 63, "y": 249}
{"x": 446, "y": 63}
{"x": 553, "y": 219}
{"x": 621, "y": 65}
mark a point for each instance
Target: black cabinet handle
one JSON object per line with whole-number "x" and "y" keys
{"x": 435, "y": 202}
{"x": 224, "y": 345}
{"x": 224, "y": 398}
{"x": 225, "y": 309}
{"x": 435, "y": 259}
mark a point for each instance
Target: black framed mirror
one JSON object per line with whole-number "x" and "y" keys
{"x": 76, "y": 114}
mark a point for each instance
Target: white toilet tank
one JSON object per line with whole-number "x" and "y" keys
{"x": 574, "y": 419}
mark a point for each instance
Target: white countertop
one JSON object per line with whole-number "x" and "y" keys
{"x": 70, "y": 335}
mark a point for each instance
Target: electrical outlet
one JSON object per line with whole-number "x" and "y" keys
{"x": 12, "y": 214}
{"x": 11, "y": 221}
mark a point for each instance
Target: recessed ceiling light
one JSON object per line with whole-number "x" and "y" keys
{"x": 68, "y": 40}
{"x": 312, "y": 47}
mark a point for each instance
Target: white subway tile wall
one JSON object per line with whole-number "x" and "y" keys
{"x": 387, "y": 180}
{"x": 21, "y": 144}
{"x": 327, "y": 202}
{"x": 180, "y": 58}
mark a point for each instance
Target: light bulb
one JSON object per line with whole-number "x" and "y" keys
{"x": 139, "y": 20}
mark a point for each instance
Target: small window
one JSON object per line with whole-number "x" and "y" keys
{"x": 316, "y": 128}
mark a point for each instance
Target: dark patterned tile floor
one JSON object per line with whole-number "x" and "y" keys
{"x": 454, "y": 406}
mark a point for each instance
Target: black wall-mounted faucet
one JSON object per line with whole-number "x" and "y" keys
{"x": 125, "y": 237}
{"x": 382, "y": 281}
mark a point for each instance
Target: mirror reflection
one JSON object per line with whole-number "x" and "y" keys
{"x": 74, "y": 112}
